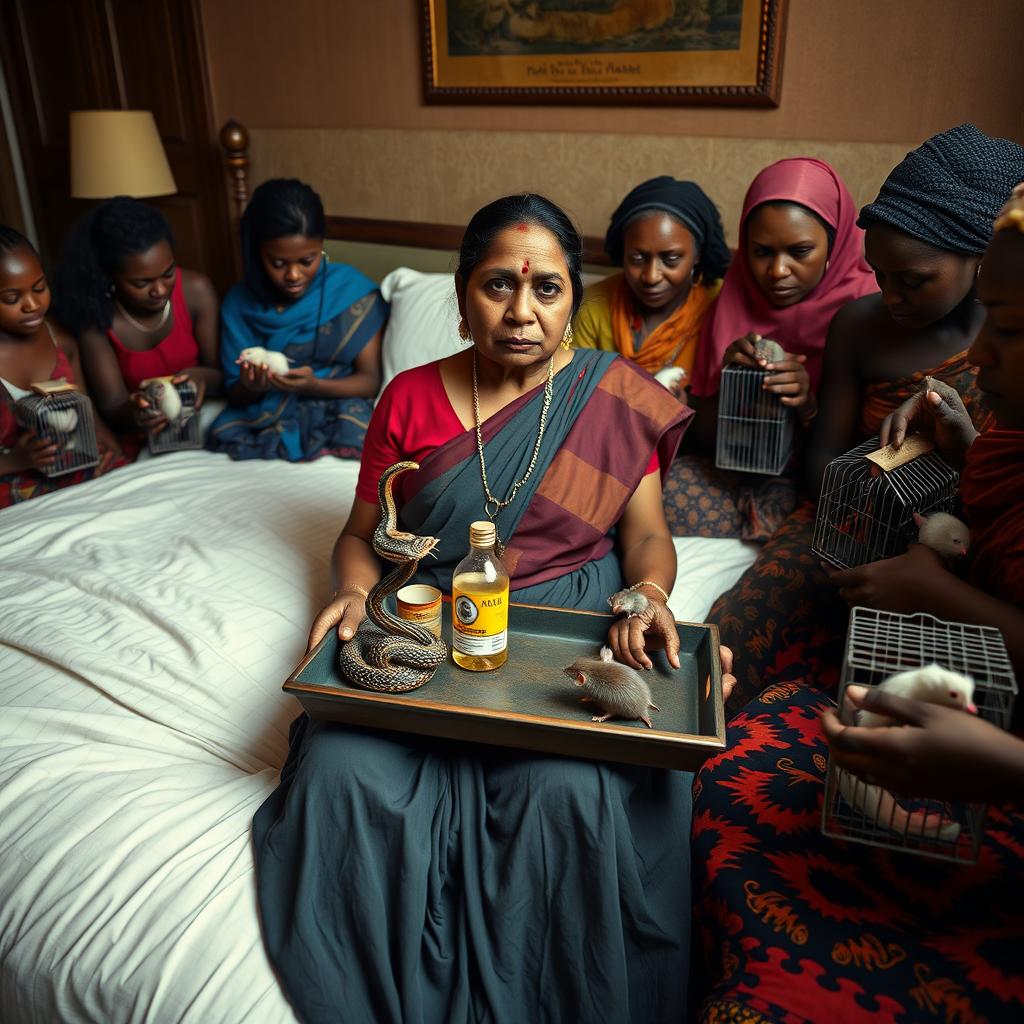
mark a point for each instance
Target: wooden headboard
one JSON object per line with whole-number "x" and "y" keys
{"x": 234, "y": 140}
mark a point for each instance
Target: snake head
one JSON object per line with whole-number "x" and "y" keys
{"x": 424, "y": 546}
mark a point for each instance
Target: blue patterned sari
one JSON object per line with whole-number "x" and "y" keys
{"x": 325, "y": 329}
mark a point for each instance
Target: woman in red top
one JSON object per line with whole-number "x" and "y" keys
{"x": 136, "y": 314}
{"x": 32, "y": 351}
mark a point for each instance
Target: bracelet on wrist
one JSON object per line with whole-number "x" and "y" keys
{"x": 351, "y": 588}
{"x": 647, "y": 583}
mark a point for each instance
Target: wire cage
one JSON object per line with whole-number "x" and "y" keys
{"x": 866, "y": 513}
{"x": 879, "y": 645}
{"x": 56, "y": 410}
{"x": 755, "y": 430}
{"x": 182, "y": 431}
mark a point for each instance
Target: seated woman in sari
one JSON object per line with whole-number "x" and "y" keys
{"x": 924, "y": 235}
{"x": 324, "y": 320}
{"x": 821, "y": 929}
{"x": 405, "y": 878}
{"x": 799, "y": 260}
{"x": 667, "y": 237}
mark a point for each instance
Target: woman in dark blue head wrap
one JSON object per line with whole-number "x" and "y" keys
{"x": 924, "y": 237}
{"x": 667, "y": 236}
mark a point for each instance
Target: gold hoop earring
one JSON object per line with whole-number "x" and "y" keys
{"x": 567, "y": 338}
{"x": 464, "y": 330}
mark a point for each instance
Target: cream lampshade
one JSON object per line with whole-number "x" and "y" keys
{"x": 118, "y": 153}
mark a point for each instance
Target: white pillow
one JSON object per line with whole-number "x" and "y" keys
{"x": 424, "y": 320}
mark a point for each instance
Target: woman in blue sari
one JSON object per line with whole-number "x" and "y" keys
{"x": 409, "y": 879}
{"x": 325, "y": 321}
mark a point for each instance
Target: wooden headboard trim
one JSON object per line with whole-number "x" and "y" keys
{"x": 415, "y": 234}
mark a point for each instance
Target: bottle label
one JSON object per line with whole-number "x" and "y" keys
{"x": 480, "y": 622}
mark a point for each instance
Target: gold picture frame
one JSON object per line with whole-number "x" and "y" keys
{"x": 604, "y": 51}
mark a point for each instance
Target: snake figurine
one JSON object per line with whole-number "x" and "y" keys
{"x": 388, "y": 654}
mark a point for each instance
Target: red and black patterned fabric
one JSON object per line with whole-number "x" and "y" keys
{"x": 783, "y": 619}
{"x": 793, "y": 927}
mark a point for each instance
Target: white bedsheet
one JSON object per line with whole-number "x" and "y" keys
{"x": 147, "y": 621}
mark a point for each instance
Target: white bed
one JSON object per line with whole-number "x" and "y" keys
{"x": 147, "y": 621}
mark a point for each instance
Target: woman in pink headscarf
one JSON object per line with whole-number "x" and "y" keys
{"x": 801, "y": 257}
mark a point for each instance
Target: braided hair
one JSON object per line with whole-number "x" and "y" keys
{"x": 96, "y": 248}
{"x": 11, "y": 240}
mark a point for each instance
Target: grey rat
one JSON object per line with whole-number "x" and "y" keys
{"x": 617, "y": 690}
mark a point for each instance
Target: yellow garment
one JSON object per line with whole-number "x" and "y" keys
{"x": 606, "y": 318}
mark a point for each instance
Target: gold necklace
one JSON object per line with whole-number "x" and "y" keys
{"x": 493, "y": 505}
{"x": 135, "y": 323}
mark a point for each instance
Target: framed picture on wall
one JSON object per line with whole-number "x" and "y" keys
{"x": 603, "y": 51}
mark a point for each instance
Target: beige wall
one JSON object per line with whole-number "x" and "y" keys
{"x": 332, "y": 91}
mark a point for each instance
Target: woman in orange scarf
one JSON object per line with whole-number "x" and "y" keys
{"x": 667, "y": 237}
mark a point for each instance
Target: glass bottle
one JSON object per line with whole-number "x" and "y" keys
{"x": 480, "y": 604}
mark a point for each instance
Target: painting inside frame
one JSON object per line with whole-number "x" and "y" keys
{"x": 604, "y": 50}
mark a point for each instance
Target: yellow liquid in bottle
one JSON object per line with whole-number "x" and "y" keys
{"x": 481, "y": 608}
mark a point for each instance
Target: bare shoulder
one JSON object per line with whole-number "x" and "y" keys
{"x": 198, "y": 289}
{"x": 63, "y": 337}
{"x": 857, "y": 317}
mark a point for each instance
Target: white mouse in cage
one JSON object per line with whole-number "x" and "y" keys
{"x": 932, "y": 684}
{"x": 946, "y": 535}
{"x": 276, "y": 362}
{"x": 164, "y": 398}
{"x": 61, "y": 421}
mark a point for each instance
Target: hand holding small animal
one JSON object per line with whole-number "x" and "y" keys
{"x": 931, "y": 683}
{"x": 276, "y": 362}
{"x": 648, "y": 625}
{"x": 932, "y": 751}
{"x": 946, "y": 535}
{"x": 617, "y": 690}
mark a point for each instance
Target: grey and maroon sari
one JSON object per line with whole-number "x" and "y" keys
{"x": 406, "y": 879}
{"x": 605, "y": 422}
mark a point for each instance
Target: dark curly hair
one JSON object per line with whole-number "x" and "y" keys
{"x": 279, "y": 208}
{"x": 96, "y": 248}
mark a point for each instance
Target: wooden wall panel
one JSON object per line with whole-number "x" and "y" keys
{"x": 64, "y": 55}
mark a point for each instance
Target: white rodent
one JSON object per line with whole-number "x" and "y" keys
{"x": 670, "y": 377}
{"x": 276, "y": 362}
{"x": 934, "y": 685}
{"x": 164, "y": 398}
{"x": 946, "y": 535}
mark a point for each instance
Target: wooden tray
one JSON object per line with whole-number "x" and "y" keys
{"x": 529, "y": 703}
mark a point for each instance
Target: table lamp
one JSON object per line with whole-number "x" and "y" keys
{"x": 118, "y": 153}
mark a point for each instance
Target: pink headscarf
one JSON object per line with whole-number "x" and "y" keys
{"x": 741, "y": 306}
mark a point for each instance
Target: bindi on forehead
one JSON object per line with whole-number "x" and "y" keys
{"x": 525, "y": 267}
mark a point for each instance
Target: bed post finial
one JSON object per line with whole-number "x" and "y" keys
{"x": 235, "y": 141}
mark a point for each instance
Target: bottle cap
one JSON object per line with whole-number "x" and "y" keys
{"x": 482, "y": 534}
